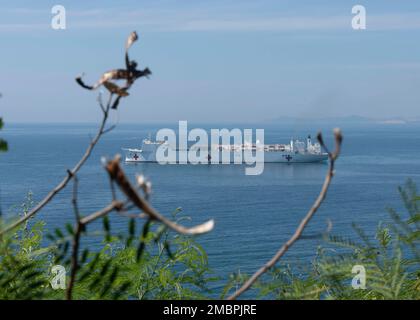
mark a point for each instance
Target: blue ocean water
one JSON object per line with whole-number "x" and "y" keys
{"x": 254, "y": 215}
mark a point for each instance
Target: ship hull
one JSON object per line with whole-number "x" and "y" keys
{"x": 236, "y": 157}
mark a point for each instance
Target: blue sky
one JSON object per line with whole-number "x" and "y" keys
{"x": 214, "y": 60}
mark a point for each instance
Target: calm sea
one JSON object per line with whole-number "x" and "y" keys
{"x": 254, "y": 215}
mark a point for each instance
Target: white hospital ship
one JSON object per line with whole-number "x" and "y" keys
{"x": 295, "y": 151}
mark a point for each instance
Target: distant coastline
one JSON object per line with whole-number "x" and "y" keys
{"x": 338, "y": 121}
{"x": 350, "y": 120}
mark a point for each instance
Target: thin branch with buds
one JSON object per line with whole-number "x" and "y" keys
{"x": 332, "y": 156}
{"x": 130, "y": 74}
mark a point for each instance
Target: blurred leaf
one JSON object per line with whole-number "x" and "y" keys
{"x": 142, "y": 244}
{"x": 58, "y": 233}
{"x": 69, "y": 228}
{"x": 3, "y": 145}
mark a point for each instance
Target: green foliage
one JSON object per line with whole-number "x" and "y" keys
{"x": 3, "y": 143}
{"x": 170, "y": 267}
{"x": 148, "y": 262}
{"x": 118, "y": 271}
{"x": 391, "y": 260}
{"x": 24, "y": 262}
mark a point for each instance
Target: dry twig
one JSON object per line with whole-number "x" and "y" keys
{"x": 130, "y": 74}
{"x": 117, "y": 175}
{"x": 70, "y": 173}
{"x": 304, "y": 222}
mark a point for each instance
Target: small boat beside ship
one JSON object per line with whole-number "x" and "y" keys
{"x": 293, "y": 152}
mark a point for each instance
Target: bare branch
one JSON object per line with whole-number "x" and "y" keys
{"x": 115, "y": 205}
{"x": 109, "y": 129}
{"x": 67, "y": 178}
{"x": 101, "y": 104}
{"x": 131, "y": 74}
{"x": 304, "y": 222}
{"x": 75, "y": 195}
{"x": 80, "y": 226}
